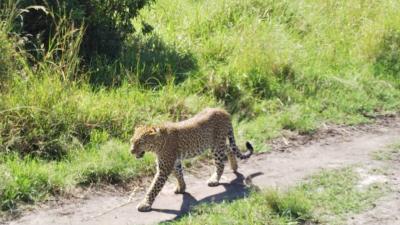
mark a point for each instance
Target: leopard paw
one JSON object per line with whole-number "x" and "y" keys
{"x": 144, "y": 207}
{"x": 212, "y": 182}
{"x": 179, "y": 190}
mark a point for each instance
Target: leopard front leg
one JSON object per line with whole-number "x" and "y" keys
{"x": 178, "y": 173}
{"x": 219, "y": 156}
{"x": 163, "y": 171}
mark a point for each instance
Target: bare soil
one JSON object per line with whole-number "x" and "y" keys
{"x": 294, "y": 158}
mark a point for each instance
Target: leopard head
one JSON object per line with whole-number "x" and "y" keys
{"x": 145, "y": 138}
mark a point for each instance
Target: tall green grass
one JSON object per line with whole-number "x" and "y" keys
{"x": 48, "y": 122}
{"x": 292, "y": 64}
{"x": 274, "y": 65}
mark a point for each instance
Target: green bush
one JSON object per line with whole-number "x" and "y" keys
{"x": 107, "y": 22}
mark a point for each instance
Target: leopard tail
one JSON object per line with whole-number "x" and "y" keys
{"x": 236, "y": 150}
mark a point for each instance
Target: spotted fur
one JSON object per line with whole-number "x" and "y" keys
{"x": 173, "y": 142}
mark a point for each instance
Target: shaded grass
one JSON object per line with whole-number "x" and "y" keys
{"x": 326, "y": 197}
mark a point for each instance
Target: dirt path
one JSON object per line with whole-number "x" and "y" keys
{"x": 276, "y": 169}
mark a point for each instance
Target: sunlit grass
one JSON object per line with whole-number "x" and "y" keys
{"x": 327, "y": 198}
{"x": 32, "y": 179}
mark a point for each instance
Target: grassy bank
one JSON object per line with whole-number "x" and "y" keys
{"x": 274, "y": 65}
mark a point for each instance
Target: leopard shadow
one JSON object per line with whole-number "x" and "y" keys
{"x": 236, "y": 189}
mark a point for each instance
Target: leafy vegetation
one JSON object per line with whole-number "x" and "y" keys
{"x": 274, "y": 65}
{"x": 106, "y": 23}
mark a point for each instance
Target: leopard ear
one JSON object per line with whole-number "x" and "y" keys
{"x": 138, "y": 127}
{"x": 154, "y": 130}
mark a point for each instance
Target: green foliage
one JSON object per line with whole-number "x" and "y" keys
{"x": 107, "y": 23}
{"x": 146, "y": 59}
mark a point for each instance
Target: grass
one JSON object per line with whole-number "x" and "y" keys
{"x": 388, "y": 153}
{"x": 274, "y": 65}
{"x": 32, "y": 179}
{"x": 46, "y": 122}
{"x": 327, "y": 198}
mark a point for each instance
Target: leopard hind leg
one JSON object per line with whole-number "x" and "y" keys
{"x": 178, "y": 173}
{"x": 219, "y": 157}
{"x": 232, "y": 161}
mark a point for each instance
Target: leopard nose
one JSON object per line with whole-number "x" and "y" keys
{"x": 139, "y": 155}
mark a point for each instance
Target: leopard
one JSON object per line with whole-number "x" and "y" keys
{"x": 172, "y": 142}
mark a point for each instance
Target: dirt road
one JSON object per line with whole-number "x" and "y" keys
{"x": 276, "y": 169}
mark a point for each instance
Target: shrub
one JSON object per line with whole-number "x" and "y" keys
{"x": 107, "y": 22}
